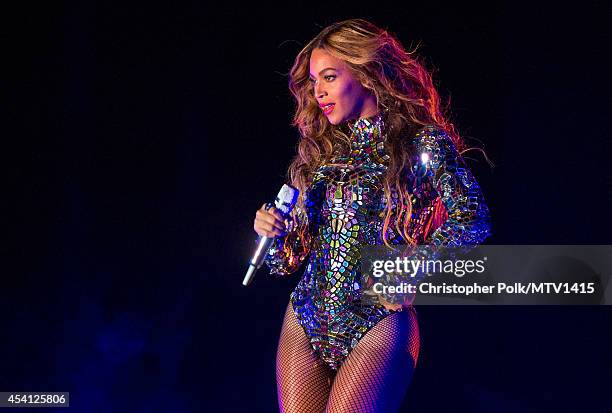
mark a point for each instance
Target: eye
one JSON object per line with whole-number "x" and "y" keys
{"x": 329, "y": 78}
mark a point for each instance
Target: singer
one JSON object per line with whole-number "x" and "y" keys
{"x": 377, "y": 163}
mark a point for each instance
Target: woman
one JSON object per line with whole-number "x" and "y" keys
{"x": 377, "y": 163}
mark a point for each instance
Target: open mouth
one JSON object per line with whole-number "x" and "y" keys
{"x": 327, "y": 109}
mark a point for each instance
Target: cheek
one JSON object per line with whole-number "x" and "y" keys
{"x": 347, "y": 92}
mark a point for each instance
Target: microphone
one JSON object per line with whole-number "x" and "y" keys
{"x": 285, "y": 200}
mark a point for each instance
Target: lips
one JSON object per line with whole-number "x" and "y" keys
{"x": 328, "y": 108}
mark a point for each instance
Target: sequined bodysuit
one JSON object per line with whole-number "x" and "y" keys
{"x": 345, "y": 209}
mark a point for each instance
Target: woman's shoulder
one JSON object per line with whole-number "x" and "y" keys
{"x": 432, "y": 138}
{"x": 432, "y": 134}
{"x": 433, "y": 144}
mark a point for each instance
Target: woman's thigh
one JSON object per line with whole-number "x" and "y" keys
{"x": 303, "y": 380}
{"x": 376, "y": 374}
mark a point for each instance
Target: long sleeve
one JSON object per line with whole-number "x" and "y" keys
{"x": 287, "y": 253}
{"x": 439, "y": 174}
{"x": 468, "y": 221}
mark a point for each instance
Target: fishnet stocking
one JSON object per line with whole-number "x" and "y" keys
{"x": 375, "y": 375}
{"x": 373, "y": 378}
{"x": 303, "y": 380}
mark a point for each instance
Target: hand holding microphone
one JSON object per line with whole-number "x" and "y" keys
{"x": 270, "y": 223}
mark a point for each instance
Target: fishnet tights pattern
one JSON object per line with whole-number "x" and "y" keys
{"x": 373, "y": 378}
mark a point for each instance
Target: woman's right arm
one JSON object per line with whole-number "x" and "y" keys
{"x": 288, "y": 249}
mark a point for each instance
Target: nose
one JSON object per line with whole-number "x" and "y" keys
{"x": 319, "y": 91}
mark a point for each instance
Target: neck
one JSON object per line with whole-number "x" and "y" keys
{"x": 366, "y": 130}
{"x": 370, "y": 107}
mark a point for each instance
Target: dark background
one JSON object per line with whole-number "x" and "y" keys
{"x": 139, "y": 139}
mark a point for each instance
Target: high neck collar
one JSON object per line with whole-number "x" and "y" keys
{"x": 367, "y": 136}
{"x": 366, "y": 131}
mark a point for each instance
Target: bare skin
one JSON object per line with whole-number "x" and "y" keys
{"x": 332, "y": 82}
{"x": 269, "y": 223}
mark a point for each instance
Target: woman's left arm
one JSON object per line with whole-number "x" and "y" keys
{"x": 468, "y": 221}
{"x": 440, "y": 175}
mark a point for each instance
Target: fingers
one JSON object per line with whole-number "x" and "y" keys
{"x": 268, "y": 229}
{"x": 272, "y": 211}
{"x": 269, "y": 223}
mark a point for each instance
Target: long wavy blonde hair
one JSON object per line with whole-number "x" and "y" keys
{"x": 404, "y": 91}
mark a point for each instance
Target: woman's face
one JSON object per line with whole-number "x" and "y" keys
{"x": 340, "y": 95}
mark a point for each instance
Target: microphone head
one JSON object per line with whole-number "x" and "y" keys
{"x": 286, "y": 199}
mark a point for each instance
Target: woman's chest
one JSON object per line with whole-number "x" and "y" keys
{"x": 344, "y": 190}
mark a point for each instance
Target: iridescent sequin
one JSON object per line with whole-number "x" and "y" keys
{"x": 345, "y": 208}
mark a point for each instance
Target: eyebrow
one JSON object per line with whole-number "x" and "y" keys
{"x": 321, "y": 72}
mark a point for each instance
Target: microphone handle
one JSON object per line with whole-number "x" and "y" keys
{"x": 258, "y": 258}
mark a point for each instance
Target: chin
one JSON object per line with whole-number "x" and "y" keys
{"x": 334, "y": 119}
